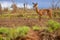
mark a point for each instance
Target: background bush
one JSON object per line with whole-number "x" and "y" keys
{"x": 12, "y": 33}
{"x": 53, "y": 25}
{"x": 36, "y": 28}
{"x": 22, "y": 31}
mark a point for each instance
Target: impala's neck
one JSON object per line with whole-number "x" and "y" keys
{"x": 37, "y": 10}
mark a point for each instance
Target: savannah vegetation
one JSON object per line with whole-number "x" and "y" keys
{"x": 24, "y": 24}
{"x": 21, "y": 32}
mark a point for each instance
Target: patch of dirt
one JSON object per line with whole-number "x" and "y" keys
{"x": 12, "y": 22}
{"x": 32, "y": 35}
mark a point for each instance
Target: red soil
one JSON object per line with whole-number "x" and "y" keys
{"x": 24, "y": 21}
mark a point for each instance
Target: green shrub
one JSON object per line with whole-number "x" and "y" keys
{"x": 36, "y": 28}
{"x": 1, "y": 38}
{"x": 4, "y": 30}
{"x": 50, "y": 29}
{"x": 4, "y": 33}
{"x": 9, "y": 33}
{"x": 53, "y": 25}
{"x": 22, "y": 31}
{"x": 4, "y": 38}
{"x": 12, "y": 33}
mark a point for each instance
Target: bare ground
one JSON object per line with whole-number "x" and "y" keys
{"x": 32, "y": 35}
{"x": 11, "y": 22}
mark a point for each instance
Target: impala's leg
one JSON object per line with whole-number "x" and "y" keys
{"x": 49, "y": 14}
{"x": 40, "y": 18}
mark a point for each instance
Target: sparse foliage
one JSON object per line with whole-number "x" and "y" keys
{"x": 53, "y": 25}
{"x": 36, "y": 28}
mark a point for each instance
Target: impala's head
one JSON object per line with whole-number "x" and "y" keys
{"x": 35, "y": 5}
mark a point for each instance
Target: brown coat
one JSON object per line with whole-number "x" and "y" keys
{"x": 41, "y": 12}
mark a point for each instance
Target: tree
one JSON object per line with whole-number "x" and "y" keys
{"x": 25, "y": 5}
{"x": 56, "y": 7}
{"x": 0, "y": 9}
{"x": 55, "y": 4}
{"x": 14, "y": 6}
{"x": 6, "y": 9}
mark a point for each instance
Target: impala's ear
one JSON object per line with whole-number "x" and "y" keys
{"x": 33, "y": 3}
